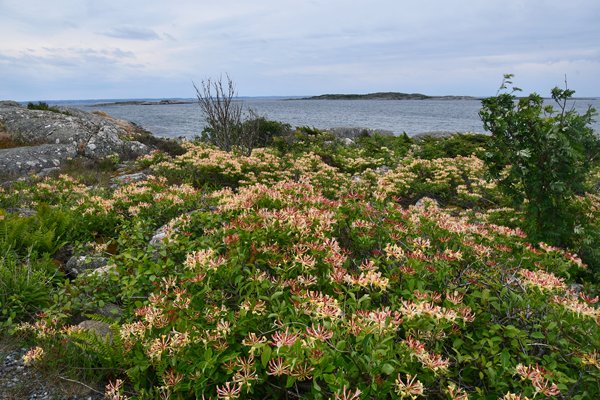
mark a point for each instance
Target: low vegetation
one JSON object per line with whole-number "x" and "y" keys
{"x": 43, "y": 106}
{"x": 312, "y": 268}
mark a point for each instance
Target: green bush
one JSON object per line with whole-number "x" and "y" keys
{"x": 541, "y": 157}
{"x": 266, "y": 130}
{"x": 464, "y": 145}
{"x": 44, "y": 107}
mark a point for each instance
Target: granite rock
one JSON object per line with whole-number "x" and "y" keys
{"x": 48, "y": 138}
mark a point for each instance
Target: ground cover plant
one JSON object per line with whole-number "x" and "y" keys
{"x": 315, "y": 268}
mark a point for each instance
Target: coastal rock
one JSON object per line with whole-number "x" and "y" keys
{"x": 101, "y": 329}
{"x": 382, "y": 170}
{"x": 135, "y": 177}
{"x": 20, "y": 161}
{"x": 110, "y": 310}
{"x": 101, "y": 271}
{"x": 434, "y": 134}
{"x": 162, "y": 233}
{"x": 353, "y": 132}
{"x": 48, "y": 138}
{"x": 78, "y": 264}
{"x": 159, "y": 235}
{"x": 427, "y": 202}
{"x": 23, "y": 212}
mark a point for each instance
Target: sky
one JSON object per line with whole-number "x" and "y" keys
{"x": 106, "y": 49}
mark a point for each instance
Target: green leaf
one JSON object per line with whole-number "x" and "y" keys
{"x": 265, "y": 356}
{"x": 538, "y": 335}
{"x": 290, "y": 381}
{"x": 387, "y": 369}
{"x": 340, "y": 345}
{"x": 276, "y": 295}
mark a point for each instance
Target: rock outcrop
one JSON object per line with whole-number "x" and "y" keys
{"x": 47, "y": 138}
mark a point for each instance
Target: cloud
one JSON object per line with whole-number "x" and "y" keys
{"x": 132, "y": 33}
{"x": 297, "y": 46}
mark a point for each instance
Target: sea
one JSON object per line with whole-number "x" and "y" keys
{"x": 396, "y": 116}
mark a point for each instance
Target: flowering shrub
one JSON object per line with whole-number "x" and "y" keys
{"x": 281, "y": 275}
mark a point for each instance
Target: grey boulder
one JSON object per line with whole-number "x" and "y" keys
{"x": 48, "y": 138}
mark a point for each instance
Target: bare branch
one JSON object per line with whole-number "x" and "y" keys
{"x": 223, "y": 115}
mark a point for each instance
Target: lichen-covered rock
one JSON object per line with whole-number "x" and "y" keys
{"x": 160, "y": 235}
{"x": 22, "y": 212}
{"x": 382, "y": 170}
{"x": 20, "y": 161}
{"x": 48, "y": 138}
{"x": 110, "y": 310}
{"x": 78, "y": 264}
{"x": 101, "y": 329}
{"x": 135, "y": 177}
{"x": 426, "y": 202}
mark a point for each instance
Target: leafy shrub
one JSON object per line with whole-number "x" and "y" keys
{"x": 169, "y": 146}
{"x": 266, "y": 130}
{"x": 44, "y": 107}
{"x": 462, "y": 145}
{"x": 540, "y": 157}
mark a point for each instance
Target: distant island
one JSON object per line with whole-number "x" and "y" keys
{"x": 143, "y": 103}
{"x": 386, "y": 96}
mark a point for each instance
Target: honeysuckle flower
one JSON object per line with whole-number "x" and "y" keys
{"x": 577, "y": 307}
{"x": 171, "y": 377}
{"x": 545, "y": 387}
{"x": 588, "y": 299}
{"x": 302, "y": 371}
{"x": 244, "y": 363}
{"x": 278, "y": 367}
{"x": 112, "y": 390}
{"x": 229, "y": 391}
{"x": 529, "y": 371}
{"x": 416, "y": 346}
{"x": 347, "y": 394}
{"x": 455, "y": 297}
{"x": 280, "y": 339}
{"x": 394, "y": 251}
{"x": 319, "y": 332}
{"x": 199, "y": 258}
{"x": 158, "y": 346}
{"x": 513, "y": 396}
{"x": 434, "y": 362}
{"x": 542, "y": 280}
{"x": 411, "y": 388}
{"x": 537, "y": 376}
{"x": 457, "y": 393}
{"x": 33, "y": 355}
{"x": 592, "y": 358}
{"x": 245, "y": 377}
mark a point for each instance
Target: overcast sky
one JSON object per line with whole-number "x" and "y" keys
{"x": 86, "y": 49}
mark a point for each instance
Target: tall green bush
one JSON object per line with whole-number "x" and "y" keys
{"x": 540, "y": 156}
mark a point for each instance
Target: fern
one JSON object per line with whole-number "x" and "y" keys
{"x": 25, "y": 286}
{"x": 108, "y": 349}
{"x": 91, "y": 356}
